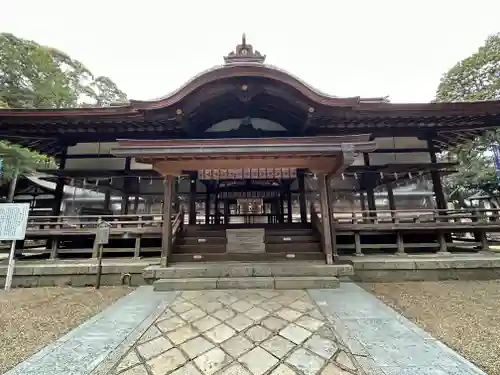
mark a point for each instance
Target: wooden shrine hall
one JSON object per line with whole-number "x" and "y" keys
{"x": 248, "y": 162}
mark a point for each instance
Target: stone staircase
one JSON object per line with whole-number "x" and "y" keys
{"x": 205, "y": 243}
{"x": 238, "y": 275}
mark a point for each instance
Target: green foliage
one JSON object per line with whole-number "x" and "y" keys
{"x": 475, "y": 78}
{"x": 36, "y": 76}
{"x": 27, "y": 161}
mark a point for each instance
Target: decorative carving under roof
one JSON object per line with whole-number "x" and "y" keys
{"x": 244, "y": 53}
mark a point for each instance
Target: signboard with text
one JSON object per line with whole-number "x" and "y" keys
{"x": 102, "y": 234}
{"x": 13, "y": 221}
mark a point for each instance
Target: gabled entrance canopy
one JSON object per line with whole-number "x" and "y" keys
{"x": 328, "y": 155}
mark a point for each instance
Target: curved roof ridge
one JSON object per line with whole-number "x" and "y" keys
{"x": 240, "y": 64}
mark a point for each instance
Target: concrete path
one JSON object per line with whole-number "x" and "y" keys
{"x": 344, "y": 331}
{"x": 97, "y": 343}
{"x": 383, "y": 341}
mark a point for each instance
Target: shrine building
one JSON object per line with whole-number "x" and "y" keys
{"x": 246, "y": 162}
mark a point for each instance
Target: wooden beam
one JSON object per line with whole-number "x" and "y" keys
{"x": 302, "y": 197}
{"x": 167, "y": 221}
{"x": 325, "y": 219}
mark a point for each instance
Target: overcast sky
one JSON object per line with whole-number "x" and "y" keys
{"x": 398, "y": 48}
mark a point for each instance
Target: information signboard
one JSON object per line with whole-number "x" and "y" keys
{"x": 13, "y": 221}
{"x": 102, "y": 235}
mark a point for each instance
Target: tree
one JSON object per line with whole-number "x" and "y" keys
{"x": 475, "y": 78}
{"x": 36, "y": 76}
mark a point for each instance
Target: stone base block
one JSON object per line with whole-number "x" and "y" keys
{"x": 165, "y": 285}
{"x": 253, "y": 282}
{"x": 245, "y": 283}
{"x": 306, "y": 282}
{"x": 231, "y": 270}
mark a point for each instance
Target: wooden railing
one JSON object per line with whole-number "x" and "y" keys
{"x": 63, "y": 224}
{"x": 436, "y": 226}
{"x": 177, "y": 225}
{"x": 459, "y": 217}
{"x": 316, "y": 221}
{"x": 439, "y": 224}
{"x": 132, "y": 227}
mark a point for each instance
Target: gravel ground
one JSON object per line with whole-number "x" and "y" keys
{"x": 463, "y": 314}
{"x": 32, "y": 318}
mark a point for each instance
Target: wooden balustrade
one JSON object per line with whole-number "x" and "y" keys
{"x": 434, "y": 225}
{"x": 177, "y": 225}
{"x": 440, "y": 222}
{"x": 121, "y": 227}
{"x": 437, "y": 216}
{"x": 62, "y": 224}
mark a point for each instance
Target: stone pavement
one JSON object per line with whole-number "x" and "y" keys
{"x": 345, "y": 331}
{"x": 383, "y": 341}
{"x": 252, "y": 332}
{"x": 99, "y": 342}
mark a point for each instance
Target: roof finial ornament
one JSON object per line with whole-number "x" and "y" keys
{"x": 244, "y": 53}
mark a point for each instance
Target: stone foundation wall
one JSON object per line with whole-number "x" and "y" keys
{"x": 78, "y": 275}
{"x": 384, "y": 276}
{"x": 473, "y": 267}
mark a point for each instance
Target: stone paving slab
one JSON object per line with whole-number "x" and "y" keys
{"x": 239, "y": 332}
{"x": 383, "y": 341}
{"x": 90, "y": 345}
{"x": 344, "y": 331}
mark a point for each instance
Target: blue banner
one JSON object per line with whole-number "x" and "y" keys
{"x": 496, "y": 155}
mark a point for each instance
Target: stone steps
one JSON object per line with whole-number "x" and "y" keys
{"x": 256, "y": 282}
{"x": 251, "y": 269}
{"x": 223, "y": 257}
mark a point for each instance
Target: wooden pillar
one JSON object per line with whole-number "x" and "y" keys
{"x": 392, "y": 201}
{"x": 362, "y": 203}
{"x": 126, "y": 186}
{"x": 59, "y": 191}
{"x": 436, "y": 179}
{"x": 443, "y": 246}
{"x": 282, "y": 205}
{"x": 484, "y": 241}
{"x": 302, "y": 197}
{"x": 107, "y": 200}
{"x": 226, "y": 211}
{"x": 357, "y": 244}
{"x": 148, "y": 205}
{"x": 369, "y": 185}
{"x": 325, "y": 218}
{"x": 192, "y": 200}
{"x": 439, "y": 195}
{"x": 136, "y": 204}
{"x": 333, "y": 235}
{"x": 370, "y": 197}
{"x": 177, "y": 207}
{"x": 289, "y": 203}
{"x": 400, "y": 243}
{"x": 216, "y": 207}
{"x": 166, "y": 250}
{"x": 52, "y": 242}
{"x": 207, "y": 205}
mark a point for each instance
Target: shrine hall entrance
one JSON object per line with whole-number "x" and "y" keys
{"x": 248, "y": 199}
{"x": 247, "y": 211}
